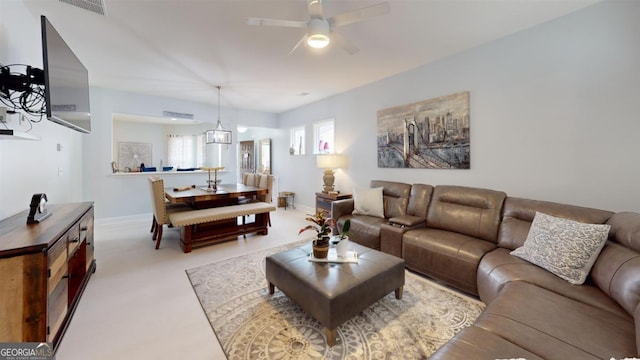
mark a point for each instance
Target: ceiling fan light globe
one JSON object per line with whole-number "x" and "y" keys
{"x": 318, "y": 41}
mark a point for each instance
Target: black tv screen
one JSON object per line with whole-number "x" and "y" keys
{"x": 66, "y": 82}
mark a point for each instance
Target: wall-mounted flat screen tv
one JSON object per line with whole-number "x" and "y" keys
{"x": 66, "y": 82}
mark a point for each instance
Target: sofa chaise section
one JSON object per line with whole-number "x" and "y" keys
{"x": 531, "y": 320}
{"x": 544, "y": 315}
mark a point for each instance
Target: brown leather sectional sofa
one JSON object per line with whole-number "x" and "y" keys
{"x": 463, "y": 236}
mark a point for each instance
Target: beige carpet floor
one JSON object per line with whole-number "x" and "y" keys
{"x": 251, "y": 324}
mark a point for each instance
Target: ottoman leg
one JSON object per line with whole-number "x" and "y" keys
{"x": 272, "y": 289}
{"x": 331, "y": 336}
{"x": 399, "y": 293}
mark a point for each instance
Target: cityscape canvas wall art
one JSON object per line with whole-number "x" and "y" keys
{"x": 430, "y": 134}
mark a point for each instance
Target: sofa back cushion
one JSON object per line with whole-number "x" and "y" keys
{"x": 625, "y": 229}
{"x": 419, "y": 199}
{"x": 395, "y": 196}
{"x": 465, "y": 210}
{"x": 519, "y": 213}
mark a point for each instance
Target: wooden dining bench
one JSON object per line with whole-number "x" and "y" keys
{"x": 213, "y": 225}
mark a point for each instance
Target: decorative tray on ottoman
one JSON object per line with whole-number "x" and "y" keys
{"x": 332, "y": 256}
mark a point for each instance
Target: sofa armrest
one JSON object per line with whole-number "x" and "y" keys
{"x": 339, "y": 208}
{"x": 391, "y": 239}
{"x": 391, "y": 233}
{"x": 408, "y": 221}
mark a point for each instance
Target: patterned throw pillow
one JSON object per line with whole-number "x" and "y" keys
{"x": 368, "y": 202}
{"x": 564, "y": 247}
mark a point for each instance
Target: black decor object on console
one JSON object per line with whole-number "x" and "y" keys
{"x": 38, "y": 209}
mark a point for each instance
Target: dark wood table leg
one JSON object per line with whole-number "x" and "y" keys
{"x": 398, "y": 292}
{"x": 185, "y": 238}
{"x": 331, "y": 336}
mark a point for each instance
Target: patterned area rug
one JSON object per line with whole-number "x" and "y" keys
{"x": 251, "y": 324}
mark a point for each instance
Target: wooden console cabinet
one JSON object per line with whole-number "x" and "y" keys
{"x": 44, "y": 269}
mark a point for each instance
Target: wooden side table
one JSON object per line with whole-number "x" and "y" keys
{"x": 324, "y": 200}
{"x": 287, "y": 198}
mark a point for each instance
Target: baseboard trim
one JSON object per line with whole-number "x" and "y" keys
{"x": 124, "y": 219}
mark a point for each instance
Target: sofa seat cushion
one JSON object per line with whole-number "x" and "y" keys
{"x": 476, "y": 343}
{"x": 437, "y": 252}
{"x": 498, "y": 268}
{"x": 364, "y": 230}
{"x": 553, "y": 326}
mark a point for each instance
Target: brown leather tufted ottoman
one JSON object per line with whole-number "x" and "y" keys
{"x": 333, "y": 293}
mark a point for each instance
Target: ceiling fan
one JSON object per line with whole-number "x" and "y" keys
{"x": 320, "y": 30}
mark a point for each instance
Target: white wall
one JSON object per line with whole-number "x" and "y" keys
{"x": 28, "y": 167}
{"x": 554, "y": 115}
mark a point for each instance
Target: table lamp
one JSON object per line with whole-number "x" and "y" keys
{"x": 328, "y": 162}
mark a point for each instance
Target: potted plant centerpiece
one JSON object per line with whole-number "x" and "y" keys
{"x": 322, "y": 227}
{"x": 343, "y": 239}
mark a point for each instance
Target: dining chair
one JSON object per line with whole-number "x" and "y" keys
{"x": 161, "y": 209}
{"x": 262, "y": 181}
{"x": 266, "y": 181}
{"x": 249, "y": 179}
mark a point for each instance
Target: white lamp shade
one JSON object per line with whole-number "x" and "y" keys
{"x": 331, "y": 161}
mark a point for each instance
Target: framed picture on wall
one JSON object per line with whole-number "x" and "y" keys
{"x": 131, "y": 155}
{"x": 430, "y": 134}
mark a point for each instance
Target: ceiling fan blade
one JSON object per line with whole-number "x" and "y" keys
{"x": 357, "y": 15}
{"x": 345, "y": 44}
{"x": 315, "y": 9}
{"x": 303, "y": 40}
{"x": 276, "y": 22}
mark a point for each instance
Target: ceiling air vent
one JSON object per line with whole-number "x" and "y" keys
{"x": 178, "y": 115}
{"x": 96, "y": 6}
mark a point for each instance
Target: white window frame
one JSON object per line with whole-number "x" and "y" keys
{"x": 324, "y": 137}
{"x": 189, "y": 153}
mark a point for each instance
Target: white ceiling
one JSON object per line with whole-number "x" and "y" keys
{"x": 184, "y": 48}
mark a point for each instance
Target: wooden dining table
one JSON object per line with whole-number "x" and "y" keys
{"x": 200, "y": 197}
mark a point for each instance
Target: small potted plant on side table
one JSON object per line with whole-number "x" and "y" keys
{"x": 322, "y": 227}
{"x": 343, "y": 239}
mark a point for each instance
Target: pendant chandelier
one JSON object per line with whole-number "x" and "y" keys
{"x": 218, "y": 135}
